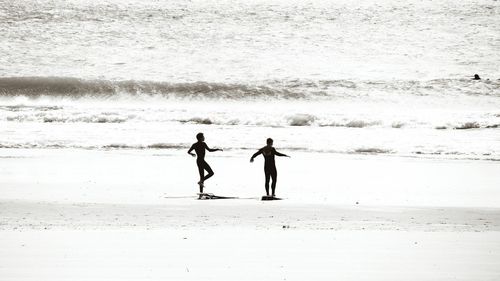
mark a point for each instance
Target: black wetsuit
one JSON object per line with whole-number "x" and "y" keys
{"x": 200, "y": 148}
{"x": 269, "y": 166}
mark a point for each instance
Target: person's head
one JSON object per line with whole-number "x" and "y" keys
{"x": 269, "y": 142}
{"x": 200, "y": 137}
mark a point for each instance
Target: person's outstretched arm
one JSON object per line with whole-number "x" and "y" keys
{"x": 212, "y": 149}
{"x": 191, "y": 149}
{"x": 256, "y": 154}
{"x": 280, "y": 154}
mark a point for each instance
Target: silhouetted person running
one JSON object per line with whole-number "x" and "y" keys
{"x": 268, "y": 152}
{"x": 200, "y": 148}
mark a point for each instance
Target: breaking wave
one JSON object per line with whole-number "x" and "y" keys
{"x": 358, "y": 124}
{"x": 468, "y": 125}
{"x": 197, "y": 120}
{"x": 180, "y": 146}
{"x": 150, "y": 146}
{"x": 57, "y": 145}
{"x": 60, "y": 114}
{"x": 34, "y": 87}
{"x": 372, "y": 150}
{"x": 301, "y": 119}
{"x": 47, "y": 117}
{"x": 72, "y": 87}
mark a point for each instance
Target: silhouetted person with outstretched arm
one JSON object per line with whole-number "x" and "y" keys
{"x": 269, "y": 152}
{"x": 200, "y": 147}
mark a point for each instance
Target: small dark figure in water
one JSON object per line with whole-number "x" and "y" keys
{"x": 476, "y": 77}
{"x": 200, "y": 148}
{"x": 268, "y": 152}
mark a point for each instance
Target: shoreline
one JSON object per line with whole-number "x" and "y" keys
{"x": 139, "y": 177}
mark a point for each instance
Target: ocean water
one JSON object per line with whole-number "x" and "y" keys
{"x": 351, "y": 77}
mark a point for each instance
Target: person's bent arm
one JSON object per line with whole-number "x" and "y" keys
{"x": 212, "y": 149}
{"x": 255, "y": 155}
{"x": 191, "y": 149}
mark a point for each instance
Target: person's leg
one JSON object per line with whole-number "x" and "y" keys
{"x": 274, "y": 176}
{"x": 201, "y": 171}
{"x": 268, "y": 175}
{"x": 209, "y": 171}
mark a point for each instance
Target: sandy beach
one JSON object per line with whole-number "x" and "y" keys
{"x": 96, "y": 225}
